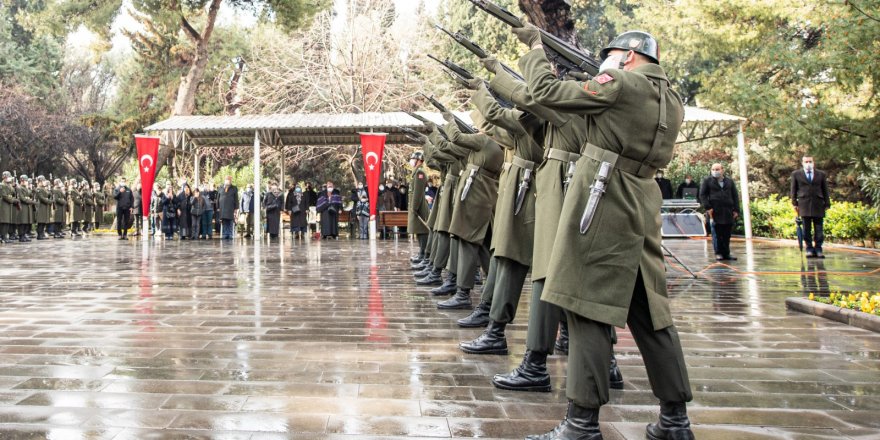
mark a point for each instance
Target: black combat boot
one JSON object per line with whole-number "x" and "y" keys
{"x": 492, "y": 341}
{"x": 530, "y": 375}
{"x": 449, "y": 286}
{"x": 478, "y": 318}
{"x": 461, "y": 300}
{"x": 415, "y": 258}
{"x": 424, "y": 272}
{"x": 673, "y": 423}
{"x": 562, "y": 342}
{"x": 580, "y": 424}
{"x": 615, "y": 378}
{"x": 419, "y": 265}
{"x": 432, "y": 279}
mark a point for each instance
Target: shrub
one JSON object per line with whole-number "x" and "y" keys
{"x": 848, "y": 221}
{"x": 772, "y": 217}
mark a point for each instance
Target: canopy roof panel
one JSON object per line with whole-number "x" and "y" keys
{"x": 318, "y": 129}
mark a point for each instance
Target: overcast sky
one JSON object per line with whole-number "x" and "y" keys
{"x": 82, "y": 39}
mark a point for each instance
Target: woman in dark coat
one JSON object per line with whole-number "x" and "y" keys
{"x": 296, "y": 206}
{"x": 273, "y": 201}
{"x": 198, "y": 205}
{"x": 329, "y": 206}
{"x": 183, "y": 211}
{"x": 169, "y": 213}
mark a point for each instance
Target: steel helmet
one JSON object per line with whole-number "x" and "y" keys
{"x": 636, "y": 41}
{"x": 417, "y": 155}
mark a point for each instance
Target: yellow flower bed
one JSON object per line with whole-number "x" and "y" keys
{"x": 862, "y": 301}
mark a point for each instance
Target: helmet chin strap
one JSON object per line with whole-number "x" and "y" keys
{"x": 623, "y": 60}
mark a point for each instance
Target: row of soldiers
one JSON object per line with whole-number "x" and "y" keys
{"x": 50, "y": 205}
{"x": 559, "y": 185}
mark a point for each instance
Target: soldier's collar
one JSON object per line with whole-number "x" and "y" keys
{"x": 652, "y": 71}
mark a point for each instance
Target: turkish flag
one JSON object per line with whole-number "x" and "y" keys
{"x": 373, "y": 148}
{"x": 147, "y": 151}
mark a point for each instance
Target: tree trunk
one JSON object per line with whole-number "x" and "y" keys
{"x": 185, "y": 103}
{"x": 554, "y": 16}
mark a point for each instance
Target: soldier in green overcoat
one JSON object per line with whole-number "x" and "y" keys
{"x": 88, "y": 199}
{"x": 59, "y": 212}
{"x": 454, "y": 158}
{"x": 474, "y": 199}
{"x": 9, "y": 207}
{"x": 513, "y": 229}
{"x": 431, "y": 274}
{"x": 607, "y": 265}
{"x": 561, "y": 135}
{"x": 76, "y": 209}
{"x": 100, "y": 203}
{"x": 26, "y": 213}
{"x": 44, "y": 207}
{"x": 417, "y": 217}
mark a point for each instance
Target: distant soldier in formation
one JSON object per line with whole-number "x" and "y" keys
{"x": 44, "y": 207}
{"x": 59, "y": 209}
{"x": 9, "y": 207}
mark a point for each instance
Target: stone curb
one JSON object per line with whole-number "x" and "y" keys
{"x": 847, "y": 316}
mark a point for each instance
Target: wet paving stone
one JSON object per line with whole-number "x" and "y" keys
{"x": 332, "y": 340}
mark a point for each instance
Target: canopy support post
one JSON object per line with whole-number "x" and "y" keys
{"x": 744, "y": 181}
{"x": 258, "y": 234}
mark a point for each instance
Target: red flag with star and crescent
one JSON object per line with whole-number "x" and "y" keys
{"x": 147, "y": 152}
{"x": 373, "y": 148}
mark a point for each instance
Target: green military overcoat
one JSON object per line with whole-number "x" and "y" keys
{"x": 44, "y": 205}
{"x": 472, "y": 216}
{"x": 59, "y": 199}
{"x": 8, "y": 204}
{"x": 513, "y": 233}
{"x": 417, "y": 219}
{"x": 76, "y": 205}
{"x": 455, "y": 158}
{"x": 26, "y": 213}
{"x": 88, "y": 198}
{"x": 594, "y": 273}
{"x": 100, "y": 203}
{"x": 560, "y": 131}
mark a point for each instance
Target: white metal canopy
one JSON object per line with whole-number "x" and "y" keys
{"x": 315, "y": 129}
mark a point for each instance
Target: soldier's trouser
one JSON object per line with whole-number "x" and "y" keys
{"x": 429, "y": 247}
{"x": 24, "y": 229}
{"x": 509, "y": 279}
{"x": 489, "y": 282}
{"x": 452, "y": 266}
{"x": 589, "y": 355}
{"x": 469, "y": 256}
{"x": 4, "y": 229}
{"x": 41, "y": 228}
{"x": 59, "y": 228}
{"x": 423, "y": 244}
{"x": 440, "y": 253}
{"x": 544, "y": 319}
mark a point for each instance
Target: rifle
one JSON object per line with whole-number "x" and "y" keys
{"x": 461, "y": 75}
{"x": 477, "y": 50}
{"x": 463, "y": 126}
{"x": 559, "y": 51}
{"x": 424, "y": 120}
{"x": 410, "y": 133}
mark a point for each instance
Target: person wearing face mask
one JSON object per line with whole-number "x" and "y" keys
{"x": 418, "y": 206}
{"x": 664, "y": 184}
{"x": 228, "y": 208}
{"x": 329, "y": 206}
{"x": 247, "y": 207}
{"x": 809, "y": 195}
{"x": 606, "y": 265}
{"x": 296, "y": 206}
{"x": 688, "y": 183}
{"x": 273, "y": 202}
{"x": 720, "y": 199}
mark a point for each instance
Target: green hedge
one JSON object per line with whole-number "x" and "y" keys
{"x": 845, "y": 221}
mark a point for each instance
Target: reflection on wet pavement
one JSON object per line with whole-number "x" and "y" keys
{"x": 102, "y": 339}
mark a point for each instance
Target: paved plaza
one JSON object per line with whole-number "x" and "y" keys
{"x": 103, "y": 339}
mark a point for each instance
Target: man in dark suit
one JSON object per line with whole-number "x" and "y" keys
{"x": 687, "y": 184}
{"x": 228, "y": 206}
{"x": 719, "y": 197}
{"x": 664, "y": 184}
{"x": 809, "y": 195}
